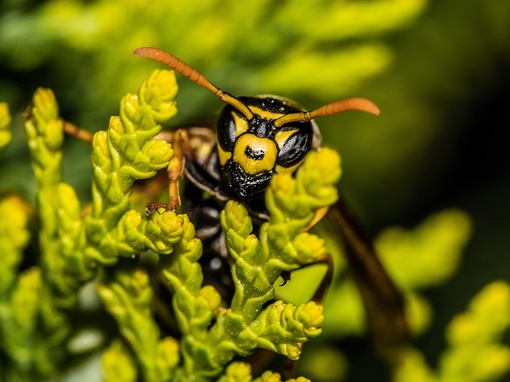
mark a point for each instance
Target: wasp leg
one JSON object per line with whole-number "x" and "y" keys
{"x": 175, "y": 168}
{"x": 74, "y": 131}
{"x": 319, "y": 214}
{"x": 289, "y": 369}
{"x": 194, "y": 159}
{"x": 183, "y": 153}
{"x": 174, "y": 171}
{"x": 326, "y": 280}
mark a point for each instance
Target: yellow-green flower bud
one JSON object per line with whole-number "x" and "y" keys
{"x": 311, "y": 315}
{"x": 168, "y": 353}
{"x": 5, "y": 120}
{"x": 158, "y": 153}
{"x": 309, "y": 247}
{"x": 209, "y": 294}
{"x": 270, "y": 376}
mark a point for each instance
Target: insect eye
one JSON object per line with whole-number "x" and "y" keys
{"x": 294, "y": 149}
{"x": 231, "y": 124}
{"x": 226, "y": 129}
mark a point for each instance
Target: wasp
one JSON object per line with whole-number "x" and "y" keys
{"x": 255, "y": 138}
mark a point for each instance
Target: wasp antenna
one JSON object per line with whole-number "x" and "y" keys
{"x": 176, "y": 64}
{"x": 361, "y": 104}
{"x": 194, "y": 75}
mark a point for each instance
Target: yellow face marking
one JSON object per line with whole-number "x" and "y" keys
{"x": 283, "y": 136}
{"x": 264, "y": 113}
{"x": 240, "y": 123}
{"x": 223, "y": 155}
{"x": 255, "y": 154}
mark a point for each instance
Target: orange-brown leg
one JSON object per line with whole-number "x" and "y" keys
{"x": 73, "y": 130}
{"x": 176, "y": 167}
{"x": 175, "y": 170}
{"x": 319, "y": 214}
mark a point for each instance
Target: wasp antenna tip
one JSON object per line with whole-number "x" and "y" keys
{"x": 140, "y": 49}
{"x": 369, "y": 107}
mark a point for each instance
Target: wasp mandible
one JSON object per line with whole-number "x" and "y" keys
{"x": 255, "y": 138}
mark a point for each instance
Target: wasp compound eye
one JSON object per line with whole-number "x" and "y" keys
{"x": 295, "y": 148}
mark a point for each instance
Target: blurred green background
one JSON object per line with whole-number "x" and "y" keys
{"x": 438, "y": 70}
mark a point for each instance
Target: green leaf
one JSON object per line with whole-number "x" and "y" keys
{"x": 5, "y": 121}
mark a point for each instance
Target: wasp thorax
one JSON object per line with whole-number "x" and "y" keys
{"x": 255, "y": 154}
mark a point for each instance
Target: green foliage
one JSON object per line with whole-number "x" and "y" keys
{"x": 102, "y": 242}
{"x": 74, "y": 248}
{"x": 320, "y": 50}
{"x": 268, "y": 44}
{"x": 212, "y": 335}
{"x": 474, "y": 352}
{"x": 416, "y": 259}
{"x": 127, "y": 295}
{"x": 5, "y": 120}
{"x": 241, "y": 372}
{"x": 15, "y": 236}
{"x": 19, "y": 293}
{"x": 118, "y": 363}
{"x": 425, "y": 257}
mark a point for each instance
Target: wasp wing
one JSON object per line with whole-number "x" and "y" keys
{"x": 383, "y": 302}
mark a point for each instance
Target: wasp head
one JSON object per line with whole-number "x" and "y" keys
{"x": 252, "y": 150}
